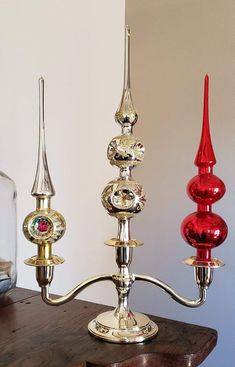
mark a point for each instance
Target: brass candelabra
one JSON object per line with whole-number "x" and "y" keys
{"x": 123, "y": 198}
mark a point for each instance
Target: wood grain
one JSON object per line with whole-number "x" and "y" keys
{"x": 33, "y": 334}
{"x": 16, "y": 295}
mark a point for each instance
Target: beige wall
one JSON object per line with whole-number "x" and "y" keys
{"x": 174, "y": 43}
{"x": 77, "y": 46}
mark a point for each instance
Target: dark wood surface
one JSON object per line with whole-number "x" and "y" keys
{"x": 33, "y": 334}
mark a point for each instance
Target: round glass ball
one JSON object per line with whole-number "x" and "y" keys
{"x": 204, "y": 230}
{"x": 206, "y": 189}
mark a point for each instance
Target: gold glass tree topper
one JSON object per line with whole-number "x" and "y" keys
{"x": 123, "y": 198}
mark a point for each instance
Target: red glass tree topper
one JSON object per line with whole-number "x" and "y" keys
{"x": 204, "y": 229}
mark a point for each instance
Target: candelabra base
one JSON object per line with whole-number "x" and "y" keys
{"x": 117, "y": 328}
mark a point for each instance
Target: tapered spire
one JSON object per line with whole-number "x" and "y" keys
{"x": 42, "y": 184}
{"x": 205, "y": 156}
{"x": 126, "y": 114}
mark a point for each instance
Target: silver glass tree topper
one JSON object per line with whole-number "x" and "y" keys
{"x": 123, "y": 198}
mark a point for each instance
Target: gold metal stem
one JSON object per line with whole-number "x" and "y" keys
{"x": 124, "y": 257}
{"x": 177, "y": 297}
{"x": 74, "y": 292}
{"x": 44, "y": 275}
{"x": 203, "y": 276}
{"x": 124, "y": 230}
{"x": 122, "y": 311}
{"x": 44, "y": 251}
{"x": 43, "y": 202}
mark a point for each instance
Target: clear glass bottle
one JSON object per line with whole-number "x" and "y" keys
{"x": 8, "y": 235}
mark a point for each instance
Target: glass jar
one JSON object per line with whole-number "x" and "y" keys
{"x": 8, "y": 235}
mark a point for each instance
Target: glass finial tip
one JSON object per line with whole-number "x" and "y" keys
{"x": 42, "y": 186}
{"x": 126, "y": 113}
{"x": 205, "y": 155}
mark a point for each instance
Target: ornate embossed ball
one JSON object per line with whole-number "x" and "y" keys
{"x": 125, "y": 151}
{"x": 123, "y": 199}
{"x": 44, "y": 225}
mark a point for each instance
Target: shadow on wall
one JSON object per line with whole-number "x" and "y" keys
{"x": 174, "y": 44}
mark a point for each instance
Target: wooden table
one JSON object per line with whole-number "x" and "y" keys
{"x": 33, "y": 334}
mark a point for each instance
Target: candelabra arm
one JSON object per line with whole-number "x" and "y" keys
{"x": 177, "y": 297}
{"x": 74, "y": 292}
